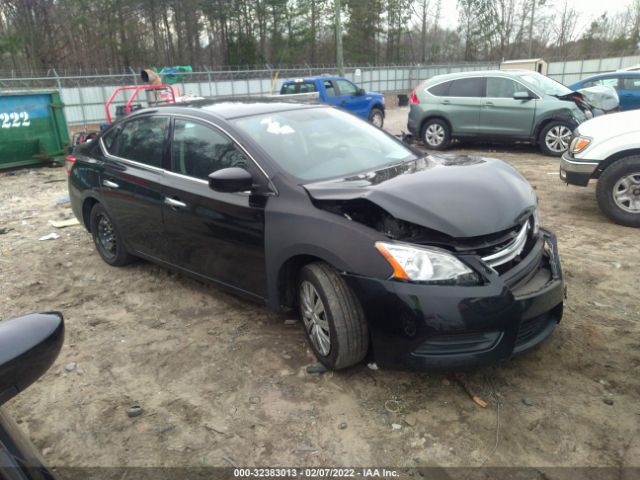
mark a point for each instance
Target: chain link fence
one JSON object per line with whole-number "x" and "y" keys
{"x": 84, "y": 94}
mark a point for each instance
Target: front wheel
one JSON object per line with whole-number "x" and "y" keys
{"x": 332, "y": 316}
{"x": 376, "y": 117}
{"x": 107, "y": 238}
{"x": 554, "y": 139}
{"x": 618, "y": 191}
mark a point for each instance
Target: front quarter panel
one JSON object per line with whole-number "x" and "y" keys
{"x": 294, "y": 226}
{"x": 608, "y": 146}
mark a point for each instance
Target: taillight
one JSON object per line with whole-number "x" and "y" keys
{"x": 69, "y": 160}
{"x": 414, "y": 96}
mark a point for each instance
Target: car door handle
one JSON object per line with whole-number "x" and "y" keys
{"x": 488, "y": 104}
{"x": 446, "y": 102}
{"x": 110, "y": 184}
{"x": 173, "y": 203}
{"x": 343, "y": 102}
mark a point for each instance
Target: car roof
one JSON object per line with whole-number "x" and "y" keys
{"x": 479, "y": 73}
{"x": 313, "y": 79}
{"x": 230, "y": 108}
{"x": 628, "y": 74}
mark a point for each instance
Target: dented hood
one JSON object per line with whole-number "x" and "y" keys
{"x": 460, "y": 196}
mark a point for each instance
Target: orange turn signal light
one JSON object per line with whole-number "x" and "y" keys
{"x": 398, "y": 271}
{"x": 581, "y": 144}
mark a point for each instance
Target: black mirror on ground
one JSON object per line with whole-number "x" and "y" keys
{"x": 28, "y": 347}
{"x": 521, "y": 96}
{"x": 233, "y": 179}
{"x": 360, "y": 92}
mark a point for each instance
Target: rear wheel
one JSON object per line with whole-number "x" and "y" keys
{"x": 618, "y": 191}
{"x": 332, "y": 316}
{"x": 436, "y": 134}
{"x": 107, "y": 238}
{"x": 376, "y": 117}
{"x": 554, "y": 139}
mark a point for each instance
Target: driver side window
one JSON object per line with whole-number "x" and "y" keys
{"x": 198, "y": 150}
{"x": 346, "y": 88}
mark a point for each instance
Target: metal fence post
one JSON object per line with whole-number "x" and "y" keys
{"x": 135, "y": 76}
{"x": 209, "y": 78}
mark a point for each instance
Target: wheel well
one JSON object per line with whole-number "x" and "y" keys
{"x": 288, "y": 278}
{"x": 86, "y": 212}
{"x": 541, "y": 126}
{"x": 435, "y": 117}
{"x": 379, "y": 107}
{"x": 616, "y": 156}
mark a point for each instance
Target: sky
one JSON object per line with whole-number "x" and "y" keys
{"x": 589, "y": 9}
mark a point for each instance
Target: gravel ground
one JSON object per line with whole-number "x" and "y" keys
{"x": 222, "y": 380}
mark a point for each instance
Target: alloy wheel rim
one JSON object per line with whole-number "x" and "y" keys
{"x": 107, "y": 236}
{"x": 377, "y": 119}
{"x": 558, "y": 138}
{"x": 626, "y": 193}
{"x": 315, "y": 319}
{"x": 434, "y": 135}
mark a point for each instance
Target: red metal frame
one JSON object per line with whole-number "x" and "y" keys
{"x": 137, "y": 89}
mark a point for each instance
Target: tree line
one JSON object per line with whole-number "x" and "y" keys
{"x": 112, "y": 34}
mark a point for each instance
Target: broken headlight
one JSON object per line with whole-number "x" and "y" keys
{"x": 425, "y": 264}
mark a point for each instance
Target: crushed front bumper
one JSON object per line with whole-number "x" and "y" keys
{"x": 423, "y": 326}
{"x": 576, "y": 171}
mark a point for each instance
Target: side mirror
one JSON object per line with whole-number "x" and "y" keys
{"x": 360, "y": 92}
{"x": 229, "y": 180}
{"x": 28, "y": 347}
{"x": 521, "y": 96}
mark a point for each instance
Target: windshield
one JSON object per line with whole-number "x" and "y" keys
{"x": 320, "y": 143}
{"x": 544, "y": 84}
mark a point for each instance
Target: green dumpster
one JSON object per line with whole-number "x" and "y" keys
{"x": 33, "y": 127}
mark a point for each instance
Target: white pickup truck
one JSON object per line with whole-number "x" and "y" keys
{"x": 607, "y": 148}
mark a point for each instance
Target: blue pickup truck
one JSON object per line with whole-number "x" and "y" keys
{"x": 340, "y": 92}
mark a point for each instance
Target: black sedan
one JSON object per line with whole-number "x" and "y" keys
{"x": 28, "y": 347}
{"x": 417, "y": 261}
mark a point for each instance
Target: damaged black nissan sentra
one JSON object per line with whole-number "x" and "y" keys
{"x": 417, "y": 261}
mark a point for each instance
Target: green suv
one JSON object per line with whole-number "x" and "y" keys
{"x": 496, "y": 105}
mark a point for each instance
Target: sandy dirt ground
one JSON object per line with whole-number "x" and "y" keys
{"x": 223, "y": 381}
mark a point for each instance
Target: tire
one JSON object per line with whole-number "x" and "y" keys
{"x": 107, "y": 238}
{"x": 342, "y": 320}
{"x": 436, "y": 134}
{"x": 376, "y": 117}
{"x": 621, "y": 204}
{"x": 554, "y": 138}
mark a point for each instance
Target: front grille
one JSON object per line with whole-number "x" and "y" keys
{"x": 461, "y": 343}
{"x": 509, "y": 251}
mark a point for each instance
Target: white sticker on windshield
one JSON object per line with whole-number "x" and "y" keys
{"x": 273, "y": 126}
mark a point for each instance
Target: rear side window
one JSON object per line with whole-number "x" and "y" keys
{"x": 108, "y": 139}
{"x": 306, "y": 87}
{"x": 498, "y": 87}
{"x": 328, "y": 86}
{"x": 466, "y": 87}
{"x": 142, "y": 140}
{"x": 440, "y": 90}
{"x": 198, "y": 150}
